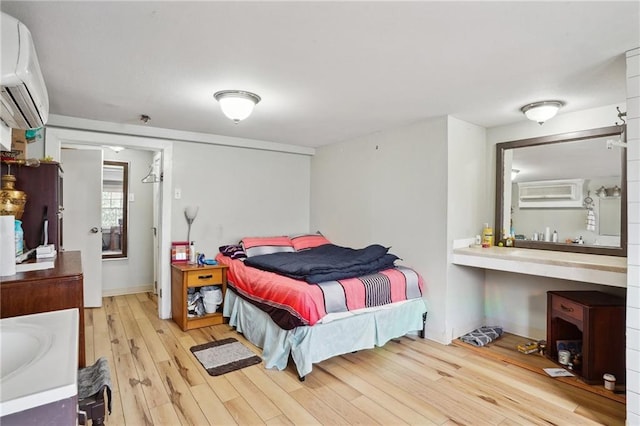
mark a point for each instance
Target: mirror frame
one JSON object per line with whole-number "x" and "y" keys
{"x": 559, "y": 138}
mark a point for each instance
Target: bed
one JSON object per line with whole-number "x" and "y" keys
{"x": 297, "y": 316}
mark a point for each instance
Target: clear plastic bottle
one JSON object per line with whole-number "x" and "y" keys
{"x": 19, "y": 237}
{"x": 192, "y": 253}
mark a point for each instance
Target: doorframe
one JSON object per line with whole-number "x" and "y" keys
{"x": 55, "y": 136}
{"x": 157, "y": 213}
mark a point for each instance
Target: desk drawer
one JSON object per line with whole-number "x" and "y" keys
{"x": 204, "y": 277}
{"x": 567, "y": 308}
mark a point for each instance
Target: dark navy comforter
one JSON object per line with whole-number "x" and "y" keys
{"x": 325, "y": 263}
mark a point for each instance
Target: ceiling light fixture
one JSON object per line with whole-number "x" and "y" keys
{"x": 236, "y": 104}
{"x": 541, "y": 111}
{"x": 514, "y": 173}
{"x": 117, "y": 149}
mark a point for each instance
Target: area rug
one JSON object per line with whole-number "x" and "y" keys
{"x": 223, "y": 356}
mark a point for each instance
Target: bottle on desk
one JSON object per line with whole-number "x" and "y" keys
{"x": 487, "y": 236}
{"x": 192, "y": 253}
{"x": 19, "y": 237}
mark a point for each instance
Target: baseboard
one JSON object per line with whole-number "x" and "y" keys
{"x": 518, "y": 329}
{"x": 127, "y": 290}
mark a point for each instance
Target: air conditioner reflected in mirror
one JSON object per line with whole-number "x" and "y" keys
{"x": 556, "y": 175}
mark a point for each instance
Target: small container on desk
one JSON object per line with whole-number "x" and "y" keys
{"x": 185, "y": 276}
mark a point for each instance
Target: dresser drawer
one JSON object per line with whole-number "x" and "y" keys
{"x": 204, "y": 277}
{"x": 567, "y": 308}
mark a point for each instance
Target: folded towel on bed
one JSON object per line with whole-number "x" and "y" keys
{"x": 482, "y": 336}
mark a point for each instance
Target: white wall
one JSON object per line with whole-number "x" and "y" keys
{"x": 467, "y": 210}
{"x": 399, "y": 188}
{"x": 240, "y": 192}
{"x": 633, "y": 224}
{"x": 516, "y": 301}
{"x": 390, "y": 188}
{"x": 209, "y": 169}
{"x": 134, "y": 273}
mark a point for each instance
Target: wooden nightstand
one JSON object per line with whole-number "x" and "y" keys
{"x": 598, "y": 320}
{"x": 185, "y": 276}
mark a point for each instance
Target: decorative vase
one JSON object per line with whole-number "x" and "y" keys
{"x": 12, "y": 201}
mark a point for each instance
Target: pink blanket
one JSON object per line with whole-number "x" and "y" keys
{"x": 292, "y": 303}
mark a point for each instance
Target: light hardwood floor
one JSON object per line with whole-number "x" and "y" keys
{"x": 156, "y": 380}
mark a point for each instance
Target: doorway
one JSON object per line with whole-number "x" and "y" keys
{"x": 163, "y": 150}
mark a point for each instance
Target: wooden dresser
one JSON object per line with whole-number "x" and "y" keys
{"x": 43, "y": 186}
{"x": 598, "y": 320}
{"x": 47, "y": 290}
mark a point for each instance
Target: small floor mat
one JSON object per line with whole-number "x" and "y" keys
{"x": 482, "y": 336}
{"x": 223, "y": 356}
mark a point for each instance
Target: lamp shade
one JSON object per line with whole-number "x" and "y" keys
{"x": 237, "y": 104}
{"x": 541, "y": 111}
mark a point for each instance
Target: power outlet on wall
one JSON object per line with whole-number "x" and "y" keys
{"x": 177, "y": 193}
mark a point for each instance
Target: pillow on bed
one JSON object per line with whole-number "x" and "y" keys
{"x": 307, "y": 241}
{"x": 256, "y": 246}
{"x": 234, "y": 251}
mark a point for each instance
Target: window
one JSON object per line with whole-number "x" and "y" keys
{"x": 115, "y": 190}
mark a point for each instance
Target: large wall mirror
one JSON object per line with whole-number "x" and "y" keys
{"x": 564, "y": 192}
{"x": 115, "y": 212}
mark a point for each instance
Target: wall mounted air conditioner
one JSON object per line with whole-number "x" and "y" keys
{"x": 25, "y": 103}
{"x": 551, "y": 194}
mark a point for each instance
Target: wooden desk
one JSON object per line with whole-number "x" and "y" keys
{"x": 598, "y": 320}
{"x": 47, "y": 290}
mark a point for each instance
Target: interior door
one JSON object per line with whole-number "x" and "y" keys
{"x": 82, "y": 197}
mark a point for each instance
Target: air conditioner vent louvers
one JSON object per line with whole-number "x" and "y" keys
{"x": 19, "y": 100}
{"x": 560, "y": 192}
{"x": 551, "y": 194}
{"x": 24, "y": 98}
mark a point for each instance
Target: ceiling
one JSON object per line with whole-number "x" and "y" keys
{"x": 327, "y": 71}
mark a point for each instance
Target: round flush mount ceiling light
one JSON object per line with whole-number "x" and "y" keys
{"x": 236, "y": 104}
{"x": 541, "y": 111}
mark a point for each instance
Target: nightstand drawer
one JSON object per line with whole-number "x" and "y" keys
{"x": 204, "y": 277}
{"x": 567, "y": 308}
